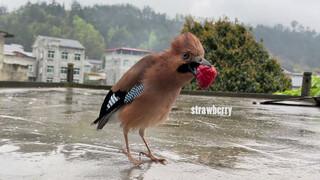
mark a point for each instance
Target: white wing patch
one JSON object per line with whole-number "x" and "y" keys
{"x": 112, "y": 101}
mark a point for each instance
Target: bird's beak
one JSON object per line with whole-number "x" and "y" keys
{"x": 199, "y": 61}
{"x": 205, "y": 62}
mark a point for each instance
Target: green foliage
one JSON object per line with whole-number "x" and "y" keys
{"x": 151, "y": 43}
{"x": 315, "y": 89}
{"x": 86, "y": 34}
{"x": 242, "y": 63}
{"x": 97, "y": 27}
{"x": 297, "y": 47}
{"x": 126, "y": 25}
{"x": 292, "y": 92}
{"x": 51, "y": 20}
{"x": 70, "y": 64}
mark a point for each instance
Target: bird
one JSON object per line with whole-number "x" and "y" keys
{"x": 145, "y": 94}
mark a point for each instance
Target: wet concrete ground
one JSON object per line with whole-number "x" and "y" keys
{"x": 45, "y": 134}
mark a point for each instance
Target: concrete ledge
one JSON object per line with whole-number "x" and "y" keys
{"x": 90, "y": 86}
{"x": 237, "y": 94}
{"x": 21, "y": 84}
{"x": 12, "y": 84}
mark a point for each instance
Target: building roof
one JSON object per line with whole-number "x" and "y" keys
{"x": 94, "y": 61}
{"x": 6, "y": 34}
{"x": 292, "y": 73}
{"x": 65, "y": 42}
{"x": 87, "y": 64}
{"x": 11, "y": 49}
{"x": 130, "y": 49}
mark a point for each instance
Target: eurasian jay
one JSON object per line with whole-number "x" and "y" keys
{"x": 145, "y": 94}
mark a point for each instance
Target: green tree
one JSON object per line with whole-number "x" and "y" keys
{"x": 126, "y": 25}
{"x": 3, "y": 10}
{"x": 243, "y": 64}
{"x": 96, "y": 27}
{"x": 151, "y": 43}
{"x": 88, "y": 36}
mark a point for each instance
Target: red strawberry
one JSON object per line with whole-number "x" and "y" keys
{"x": 205, "y": 75}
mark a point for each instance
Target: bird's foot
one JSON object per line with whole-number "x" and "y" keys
{"x": 132, "y": 159}
{"x": 153, "y": 158}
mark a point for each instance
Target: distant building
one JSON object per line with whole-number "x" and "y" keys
{"x": 14, "y": 54}
{"x": 10, "y": 71}
{"x": 296, "y": 78}
{"x": 118, "y": 61}
{"x": 3, "y": 35}
{"x": 93, "y": 65}
{"x": 95, "y": 78}
{"x": 94, "y": 73}
{"x": 54, "y": 54}
{"x": 87, "y": 67}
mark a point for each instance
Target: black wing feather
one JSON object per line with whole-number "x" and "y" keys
{"x": 103, "y": 107}
{"x": 105, "y": 112}
{"x": 114, "y": 100}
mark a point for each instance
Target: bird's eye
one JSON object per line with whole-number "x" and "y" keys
{"x": 185, "y": 55}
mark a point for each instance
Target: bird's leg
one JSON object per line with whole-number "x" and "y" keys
{"x": 132, "y": 159}
{"x": 150, "y": 155}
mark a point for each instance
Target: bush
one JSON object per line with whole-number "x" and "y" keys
{"x": 243, "y": 65}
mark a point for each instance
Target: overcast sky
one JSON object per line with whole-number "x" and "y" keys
{"x": 268, "y": 12}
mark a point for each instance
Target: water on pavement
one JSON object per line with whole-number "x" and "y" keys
{"x": 46, "y": 134}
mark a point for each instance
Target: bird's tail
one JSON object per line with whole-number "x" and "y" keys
{"x": 104, "y": 114}
{"x": 96, "y": 121}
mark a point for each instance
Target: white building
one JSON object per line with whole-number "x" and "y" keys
{"x": 14, "y": 61}
{"x": 14, "y": 54}
{"x": 54, "y": 54}
{"x": 118, "y": 61}
{"x": 296, "y": 79}
{"x": 3, "y": 35}
{"x": 93, "y": 65}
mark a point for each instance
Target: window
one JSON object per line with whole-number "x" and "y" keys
{"x": 49, "y": 69}
{"x": 41, "y": 55}
{"x": 64, "y": 55}
{"x": 49, "y": 80}
{"x": 76, "y": 71}
{"x": 64, "y": 70}
{"x": 50, "y": 54}
{"x": 126, "y": 62}
{"x": 30, "y": 67}
{"x": 76, "y": 80}
{"x": 63, "y": 80}
{"x": 77, "y": 57}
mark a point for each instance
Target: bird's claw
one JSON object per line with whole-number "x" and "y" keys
{"x": 132, "y": 159}
{"x": 152, "y": 157}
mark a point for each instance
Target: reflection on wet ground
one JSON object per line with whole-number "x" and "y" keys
{"x": 45, "y": 134}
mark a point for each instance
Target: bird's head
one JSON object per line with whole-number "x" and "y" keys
{"x": 189, "y": 55}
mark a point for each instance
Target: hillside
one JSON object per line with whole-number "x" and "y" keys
{"x": 97, "y": 28}
{"x": 297, "y": 47}
{"x": 102, "y": 27}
